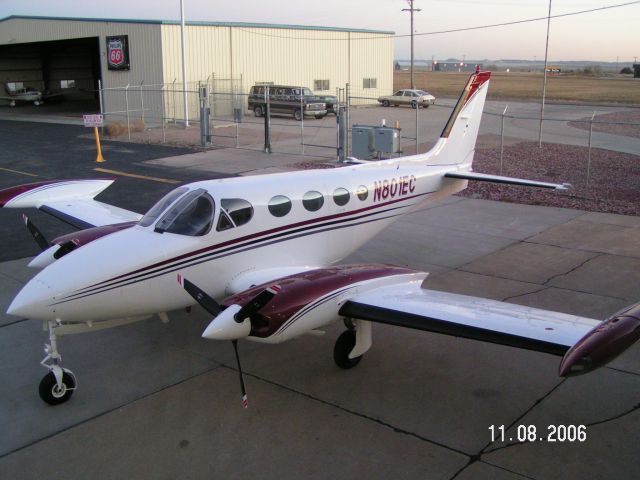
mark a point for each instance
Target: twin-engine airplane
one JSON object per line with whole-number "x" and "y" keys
{"x": 256, "y": 252}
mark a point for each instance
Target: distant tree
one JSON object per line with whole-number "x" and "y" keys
{"x": 626, "y": 71}
{"x": 592, "y": 70}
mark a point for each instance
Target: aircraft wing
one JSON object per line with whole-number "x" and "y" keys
{"x": 585, "y": 343}
{"x": 71, "y": 201}
{"x": 393, "y": 295}
{"x": 470, "y": 317}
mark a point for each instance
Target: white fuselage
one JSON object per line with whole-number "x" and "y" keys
{"x": 133, "y": 272}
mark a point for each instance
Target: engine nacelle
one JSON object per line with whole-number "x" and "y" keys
{"x": 603, "y": 343}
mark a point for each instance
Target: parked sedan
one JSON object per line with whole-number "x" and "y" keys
{"x": 407, "y": 96}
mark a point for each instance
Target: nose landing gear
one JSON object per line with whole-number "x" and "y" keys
{"x": 58, "y": 384}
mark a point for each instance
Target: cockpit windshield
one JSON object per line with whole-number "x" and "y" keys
{"x": 191, "y": 215}
{"x": 162, "y": 204}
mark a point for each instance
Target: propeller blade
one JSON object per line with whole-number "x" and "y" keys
{"x": 245, "y": 400}
{"x": 37, "y": 234}
{"x": 205, "y": 301}
{"x": 256, "y": 303}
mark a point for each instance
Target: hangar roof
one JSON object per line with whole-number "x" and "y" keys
{"x": 201, "y": 23}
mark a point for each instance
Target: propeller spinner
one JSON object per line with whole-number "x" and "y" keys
{"x": 231, "y": 323}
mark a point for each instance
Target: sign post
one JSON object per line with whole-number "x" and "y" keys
{"x": 95, "y": 121}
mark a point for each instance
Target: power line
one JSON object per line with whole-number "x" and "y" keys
{"x": 454, "y": 30}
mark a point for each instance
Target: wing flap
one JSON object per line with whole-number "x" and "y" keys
{"x": 470, "y": 317}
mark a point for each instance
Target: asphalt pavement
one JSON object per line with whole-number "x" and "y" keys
{"x": 157, "y": 401}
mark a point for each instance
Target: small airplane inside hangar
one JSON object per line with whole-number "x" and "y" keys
{"x": 57, "y": 71}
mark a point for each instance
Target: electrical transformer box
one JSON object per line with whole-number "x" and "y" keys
{"x": 374, "y": 142}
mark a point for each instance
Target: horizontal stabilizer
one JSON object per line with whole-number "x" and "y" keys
{"x": 483, "y": 177}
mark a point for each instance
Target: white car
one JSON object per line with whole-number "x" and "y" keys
{"x": 408, "y": 96}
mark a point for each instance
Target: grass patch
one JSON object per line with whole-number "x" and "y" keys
{"x": 528, "y": 86}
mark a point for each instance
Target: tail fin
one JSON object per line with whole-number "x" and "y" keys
{"x": 457, "y": 142}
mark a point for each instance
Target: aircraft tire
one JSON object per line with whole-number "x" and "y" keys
{"x": 49, "y": 391}
{"x": 345, "y": 343}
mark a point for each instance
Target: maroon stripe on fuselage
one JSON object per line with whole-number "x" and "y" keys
{"x": 254, "y": 235}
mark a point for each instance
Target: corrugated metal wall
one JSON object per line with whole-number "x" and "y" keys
{"x": 279, "y": 55}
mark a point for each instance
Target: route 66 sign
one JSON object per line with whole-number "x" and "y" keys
{"x": 118, "y": 52}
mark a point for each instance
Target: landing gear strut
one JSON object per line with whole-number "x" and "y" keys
{"x": 58, "y": 384}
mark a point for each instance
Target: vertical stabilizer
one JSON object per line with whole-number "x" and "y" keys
{"x": 457, "y": 142}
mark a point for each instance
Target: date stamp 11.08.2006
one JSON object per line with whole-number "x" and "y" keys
{"x": 531, "y": 433}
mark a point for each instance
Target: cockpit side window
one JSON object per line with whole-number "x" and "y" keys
{"x": 233, "y": 213}
{"x": 155, "y": 211}
{"x": 192, "y": 215}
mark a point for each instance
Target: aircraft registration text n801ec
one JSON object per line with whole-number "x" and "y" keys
{"x": 396, "y": 187}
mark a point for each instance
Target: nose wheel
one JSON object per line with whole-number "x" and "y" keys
{"x": 53, "y": 392}
{"x": 58, "y": 384}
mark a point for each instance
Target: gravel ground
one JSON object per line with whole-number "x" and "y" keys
{"x": 614, "y": 177}
{"x": 623, "y": 123}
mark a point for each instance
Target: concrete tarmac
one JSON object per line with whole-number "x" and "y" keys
{"x": 155, "y": 400}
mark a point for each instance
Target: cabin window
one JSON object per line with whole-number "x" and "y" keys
{"x": 67, "y": 84}
{"x": 279, "y": 206}
{"x": 192, "y": 215}
{"x": 362, "y": 193}
{"x": 162, "y": 204}
{"x": 233, "y": 213}
{"x": 341, "y": 196}
{"x": 313, "y": 201}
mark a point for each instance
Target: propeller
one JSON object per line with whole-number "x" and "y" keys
{"x": 36, "y": 233}
{"x": 205, "y": 301}
{"x": 231, "y": 326}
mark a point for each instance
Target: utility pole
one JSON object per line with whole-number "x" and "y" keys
{"x": 544, "y": 81}
{"x": 411, "y": 10}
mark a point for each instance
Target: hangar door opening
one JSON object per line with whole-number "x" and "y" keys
{"x": 65, "y": 71}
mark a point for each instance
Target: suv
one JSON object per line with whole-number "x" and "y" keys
{"x": 284, "y": 99}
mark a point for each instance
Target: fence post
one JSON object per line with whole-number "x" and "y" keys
{"x": 101, "y": 98}
{"x": 142, "y": 101}
{"x": 589, "y": 154}
{"x": 502, "y": 136}
{"x": 163, "y": 114}
{"x": 301, "y": 120}
{"x": 126, "y": 102}
{"x": 417, "y": 141}
{"x": 348, "y": 118}
{"x": 175, "y": 121}
{"x": 267, "y": 120}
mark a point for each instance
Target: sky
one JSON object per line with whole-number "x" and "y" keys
{"x": 609, "y": 35}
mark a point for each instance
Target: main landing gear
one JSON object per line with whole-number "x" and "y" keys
{"x": 352, "y": 344}
{"x": 58, "y": 384}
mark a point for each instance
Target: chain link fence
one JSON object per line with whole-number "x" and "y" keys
{"x": 156, "y": 113}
